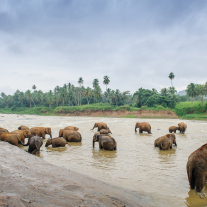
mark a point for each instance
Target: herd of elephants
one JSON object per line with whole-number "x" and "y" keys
{"x": 196, "y": 164}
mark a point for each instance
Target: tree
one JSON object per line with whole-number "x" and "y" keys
{"x": 80, "y": 81}
{"x": 164, "y": 92}
{"x": 39, "y": 96}
{"x": 172, "y": 91}
{"x": 21, "y": 98}
{"x": 125, "y": 96}
{"x": 171, "y": 76}
{"x": 201, "y": 91}
{"x": 34, "y": 87}
{"x": 106, "y": 81}
{"x": 88, "y": 94}
{"x": 95, "y": 85}
{"x": 191, "y": 91}
{"x": 63, "y": 95}
{"x": 97, "y": 93}
{"x": 71, "y": 97}
{"x": 28, "y": 96}
{"x": 49, "y": 98}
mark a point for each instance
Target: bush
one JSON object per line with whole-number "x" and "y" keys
{"x": 160, "y": 107}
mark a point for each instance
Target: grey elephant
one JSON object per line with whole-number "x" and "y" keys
{"x": 34, "y": 143}
{"x": 105, "y": 141}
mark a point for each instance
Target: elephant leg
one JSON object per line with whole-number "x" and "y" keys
{"x": 100, "y": 145}
{"x": 140, "y": 131}
{"x": 43, "y": 136}
{"x": 115, "y": 148}
{"x": 34, "y": 152}
{"x": 199, "y": 182}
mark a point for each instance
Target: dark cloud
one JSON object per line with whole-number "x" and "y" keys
{"x": 136, "y": 43}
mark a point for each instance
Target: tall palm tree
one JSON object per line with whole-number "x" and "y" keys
{"x": 106, "y": 81}
{"x": 172, "y": 90}
{"x": 95, "y": 85}
{"x": 34, "y": 87}
{"x": 80, "y": 81}
{"x": 49, "y": 98}
{"x": 70, "y": 97}
{"x": 191, "y": 91}
{"x": 28, "y": 96}
{"x": 171, "y": 76}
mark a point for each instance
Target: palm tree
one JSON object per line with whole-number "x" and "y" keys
{"x": 106, "y": 81}
{"x": 21, "y": 98}
{"x": 191, "y": 91}
{"x": 28, "y": 96}
{"x": 171, "y": 76}
{"x": 80, "y": 81}
{"x": 34, "y": 87}
{"x": 88, "y": 94}
{"x": 201, "y": 91}
{"x": 97, "y": 93}
{"x": 49, "y": 98}
{"x": 125, "y": 96}
{"x": 70, "y": 97}
{"x": 164, "y": 92}
{"x": 63, "y": 95}
{"x": 95, "y": 85}
{"x": 172, "y": 91}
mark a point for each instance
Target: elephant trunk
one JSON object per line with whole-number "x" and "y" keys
{"x": 93, "y": 144}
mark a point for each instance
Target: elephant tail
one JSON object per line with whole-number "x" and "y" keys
{"x": 191, "y": 177}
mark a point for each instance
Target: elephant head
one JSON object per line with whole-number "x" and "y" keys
{"x": 95, "y": 138}
{"x": 95, "y": 125}
{"x": 27, "y": 133}
{"x": 61, "y": 133}
{"x": 48, "y": 131}
{"x": 172, "y": 136}
{"x": 136, "y": 126}
{"x": 49, "y": 142}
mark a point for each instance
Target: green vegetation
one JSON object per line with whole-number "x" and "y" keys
{"x": 129, "y": 116}
{"x": 71, "y": 99}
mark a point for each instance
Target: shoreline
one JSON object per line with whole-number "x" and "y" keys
{"x": 27, "y": 180}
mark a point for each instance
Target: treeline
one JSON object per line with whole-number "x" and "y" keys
{"x": 69, "y": 95}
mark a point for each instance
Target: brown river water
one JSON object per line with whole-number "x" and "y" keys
{"x": 136, "y": 165}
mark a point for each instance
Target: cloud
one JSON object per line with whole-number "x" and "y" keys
{"x": 136, "y": 43}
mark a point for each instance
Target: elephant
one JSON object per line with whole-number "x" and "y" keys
{"x": 22, "y": 134}
{"x": 182, "y": 127}
{"x": 10, "y": 138}
{"x": 34, "y": 142}
{"x": 105, "y": 131}
{"x": 3, "y": 130}
{"x": 105, "y": 142}
{"x": 197, "y": 168}
{"x": 143, "y": 126}
{"x": 56, "y": 142}
{"x": 173, "y": 129}
{"x": 165, "y": 142}
{"x": 23, "y": 128}
{"x": 41, "y": 131}
{"x": 100, "y": 125}
{"x": 70, "y": 136}
{"x": 71, "y": 128}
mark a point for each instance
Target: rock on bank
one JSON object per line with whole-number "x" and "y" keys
{"x": 27, "y": 180}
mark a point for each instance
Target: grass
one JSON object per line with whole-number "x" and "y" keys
{"x": 128, "y": 116}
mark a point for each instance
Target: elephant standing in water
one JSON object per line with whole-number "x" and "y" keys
{"x": 23, "y": 128}
{"x": 105, "y": 141}
{"x": 143, "y": 126}
{"x": 41, "y": 131}
{"x": 182, "y": 127}
{"x": 70, "y": 136}
{"x": 197, "y": 168}
{"x": 22, "y": 134}
{"x": 173, "y": 129}
{"x": 165, "y": 142}
{"x": 34, "y": 142}
{"x": 100, "y": 125}
{"x": 56, "y": 142}
{"x": 72, "y": 128}
{"x": 10, "y": 138}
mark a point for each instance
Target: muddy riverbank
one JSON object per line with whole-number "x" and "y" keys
{"x": 122, "y": 113}
{"x": 27, "y": 180}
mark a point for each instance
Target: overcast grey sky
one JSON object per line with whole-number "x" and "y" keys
{"x": 136, "y": 43}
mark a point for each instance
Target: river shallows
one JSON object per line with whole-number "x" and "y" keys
{"x": 136, "y": 165}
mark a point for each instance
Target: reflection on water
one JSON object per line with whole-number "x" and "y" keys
{"x": 136, "y": 165}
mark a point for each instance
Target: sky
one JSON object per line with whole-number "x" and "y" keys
{"x": 135, "y": 43}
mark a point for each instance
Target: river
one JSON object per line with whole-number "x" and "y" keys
{"x": 136, "y": 165}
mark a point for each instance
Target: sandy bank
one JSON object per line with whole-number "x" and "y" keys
{"x": 27, "y": 180}
{"x": 121, "y": 113}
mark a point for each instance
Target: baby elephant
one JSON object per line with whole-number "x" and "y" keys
{"x": 34, "y": 142}
{"x": 105, "y": 141}
{"x": 173, "y": 129}
{"x": 105, "y": 131}
{"x": 56, "y": 142}
{"x": 165, "y": 142}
